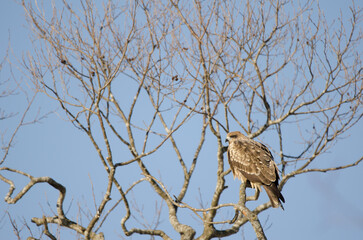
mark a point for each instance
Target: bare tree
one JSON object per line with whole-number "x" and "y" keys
{"x": 135, "y": 76}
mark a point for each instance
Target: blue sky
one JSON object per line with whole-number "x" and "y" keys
{"x": 318, "y": 206}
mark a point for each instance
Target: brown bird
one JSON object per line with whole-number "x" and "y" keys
{"x": 253, "y": 163}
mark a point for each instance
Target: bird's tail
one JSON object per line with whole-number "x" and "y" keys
{"x": 275, "y": 195}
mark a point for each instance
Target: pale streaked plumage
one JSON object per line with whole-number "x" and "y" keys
{"x": 252, "y": 161}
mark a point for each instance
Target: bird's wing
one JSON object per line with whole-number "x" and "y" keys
{"x": 252, "y": 160}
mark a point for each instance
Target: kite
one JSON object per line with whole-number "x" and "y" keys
{"x": 253, "y": 163}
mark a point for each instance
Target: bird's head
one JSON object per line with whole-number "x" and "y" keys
{"x": 233, "y": 135}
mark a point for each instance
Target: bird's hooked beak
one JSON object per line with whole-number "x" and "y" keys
{"x": 227, "y": 139}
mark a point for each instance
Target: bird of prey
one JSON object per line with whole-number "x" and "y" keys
{"x": 253, "y": 163}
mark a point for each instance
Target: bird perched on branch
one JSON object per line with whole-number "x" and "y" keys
{"x": 253, "y": 163}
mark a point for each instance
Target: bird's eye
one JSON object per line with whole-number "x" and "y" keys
{"x": 233, "y": 136}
